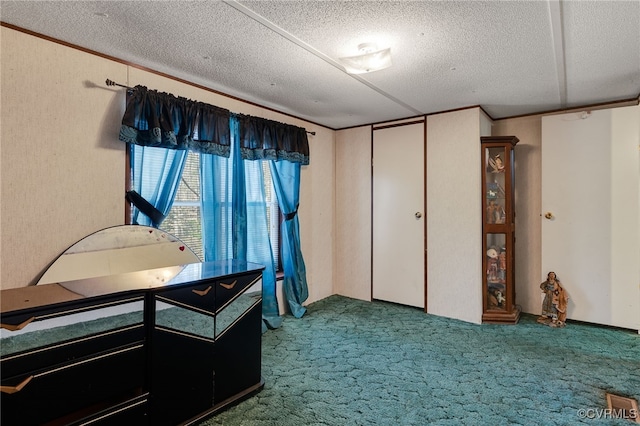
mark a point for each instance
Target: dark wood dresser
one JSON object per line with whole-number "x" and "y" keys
{"x": 163, "y": 346}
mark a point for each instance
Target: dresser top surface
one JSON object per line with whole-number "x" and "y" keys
{"x": 17, "y": 299}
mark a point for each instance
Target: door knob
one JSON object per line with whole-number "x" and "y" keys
{"x": 548, "y": 215}
{"x": 418, "y": 215}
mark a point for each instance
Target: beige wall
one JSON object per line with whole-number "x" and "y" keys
{"x": 625, "y": 211}
{"x": 63, "y": 168}
{"x": 454, "y": 218}
{"x": 317, "y": 214}
{"x": 62, "y": 165}
{"x": 353, "y": 213}
{"x": 528, "y": 198}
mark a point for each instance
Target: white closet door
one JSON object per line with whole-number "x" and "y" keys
{"x": 575, "y": 181}
{"x": 590, "y": 193}
{"x": 398, "y": 215}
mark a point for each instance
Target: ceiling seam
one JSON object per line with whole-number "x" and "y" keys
{"x": 282, "y": 32}
{"x": 557, "y": 35}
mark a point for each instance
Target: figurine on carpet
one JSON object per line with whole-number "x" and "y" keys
{"x": 554, "y": 305}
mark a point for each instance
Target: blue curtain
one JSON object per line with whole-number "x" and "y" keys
{"x": 157, "y": 173}
{"x": 234, "y": 218}
{"x": 234, "y": 213}
{"x": 286, "y": 180}
{"x": 153, "y": 121}
{"x": 163, "y": 120}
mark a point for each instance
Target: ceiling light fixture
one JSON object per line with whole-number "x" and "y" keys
{"x": 370, "y": 59}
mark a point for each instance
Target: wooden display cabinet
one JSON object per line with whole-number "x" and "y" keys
{"x": 498, "y": 230}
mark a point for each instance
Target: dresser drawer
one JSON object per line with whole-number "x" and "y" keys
{"x": 69, "y": 388}
{"x": 132, "y": 412}
{"x": 200, "y": 297}
{"x": 210, "y": 296}
{"x": 44, "y": 340}
{"x": 47, "y": 357}
{"x": 227, "y": 290}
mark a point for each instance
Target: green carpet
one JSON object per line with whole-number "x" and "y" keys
{"x": 350, "y": 362}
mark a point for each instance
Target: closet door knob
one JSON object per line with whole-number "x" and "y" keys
{"x": 418, "y": 215}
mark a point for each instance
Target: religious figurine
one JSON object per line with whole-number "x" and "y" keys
{"x": 500, "y": 214}
{"x": 492, "y": 265}
{"x": 554, "y": 305}
{"x": 502, "y": 267}
{"x": 491, "y": 212}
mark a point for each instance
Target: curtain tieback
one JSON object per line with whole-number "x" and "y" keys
{"x": 291, "y": 215}
{"x": 145, "y": 207}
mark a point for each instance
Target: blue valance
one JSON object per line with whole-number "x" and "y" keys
{"x": 166, "y": 121}
{"x": 271, "y": 140}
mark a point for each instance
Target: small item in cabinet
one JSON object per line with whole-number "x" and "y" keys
{"x": 491, "y": 208}
{"x": 496, "y": 164}
{"x": 495, "y": 213}
{"x": 500, "y": 214}
{"x": 492, "y": 265}
{"x": 496, "y": 297}
{"x": 502, "y": 265}
{"x": 496, "y": 288}
{"x": 491, "y": 212}
{"x": 494, "y": 190}
{"x": 554, "y": 305}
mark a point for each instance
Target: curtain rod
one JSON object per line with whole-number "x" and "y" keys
{"x": 113, "y": 83}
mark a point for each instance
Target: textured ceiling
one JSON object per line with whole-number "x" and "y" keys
{"x": 510, "y": 57}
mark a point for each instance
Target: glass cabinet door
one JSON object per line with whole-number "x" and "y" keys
{"x": 497, "y": 272}
{"x": 495, "y": 196}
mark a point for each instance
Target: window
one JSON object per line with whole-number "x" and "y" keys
{"x": 184, "y": 219}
